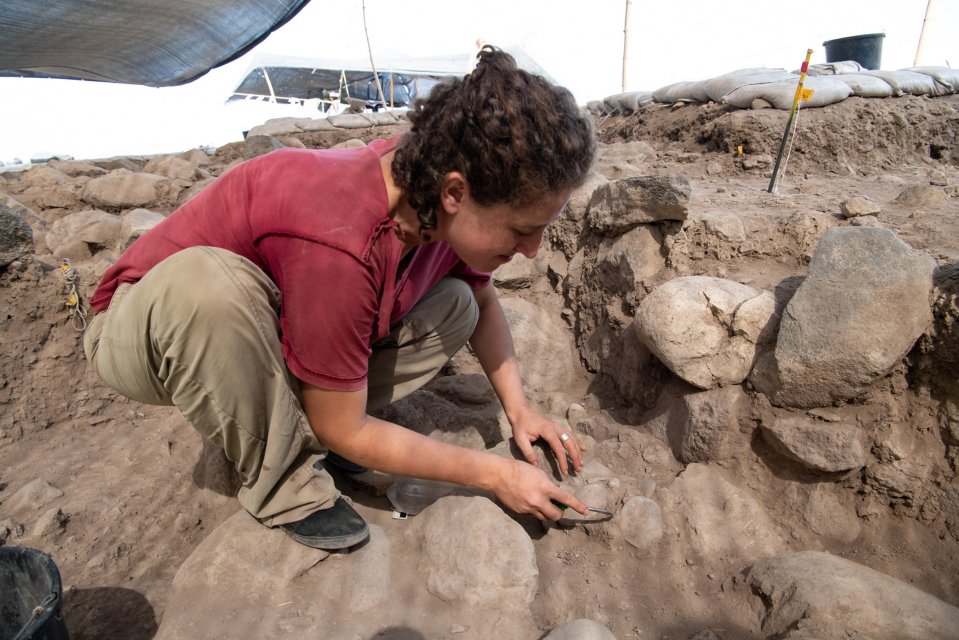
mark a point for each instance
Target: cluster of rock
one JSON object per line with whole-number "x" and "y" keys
{"x": 708, "y": 365}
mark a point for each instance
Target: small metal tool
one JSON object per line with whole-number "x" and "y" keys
{"x": 593, "y": 509}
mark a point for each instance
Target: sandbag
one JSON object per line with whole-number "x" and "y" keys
{"x": 944, "y": 75}
{"x": 867, "y": 86}
{"x": 687, "y": 91}
{"x": 626, "y": 102}
{"x": 717, "y": 88}
{"x": 833, "y": 68}
{"x": 912, "y": 83}
{"x": 596, "y": 107}
{"x": 826, "y": 90}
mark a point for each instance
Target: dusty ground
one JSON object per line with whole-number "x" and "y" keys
{"x": 141, "y": 491}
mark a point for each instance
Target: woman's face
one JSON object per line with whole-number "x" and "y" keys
{"x": 488, "y": 237}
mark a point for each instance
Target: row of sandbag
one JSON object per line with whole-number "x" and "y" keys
{"x": 830, "y": 82}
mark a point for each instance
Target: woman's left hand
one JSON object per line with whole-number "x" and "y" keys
{"x": 530, "y": 426}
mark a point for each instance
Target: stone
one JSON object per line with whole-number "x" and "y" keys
{"x": 618, "y": 206}
{"x": 32, "y": 496}
{"x": 692, "y": 324}
{"x": 171, "y": 167}
{"x": 921, "y": 196}
{"x": 580, "y": 629}
{"x": 16, "y": 236}
{"x": 121, "y": 189}
{"x": 51, "y": 523}
{"x": 815, "y": 594}
{"x": 816, "y": 445}
{"x": 714, "y": 168}
{"x": 542, "y": 344}
{"x": 370, "y": 575}
{"x": 77, "y": 169}
{"x": 625, "y": 263}
{"x": 827, "y": 515}
{"x": 717, "y": 519}
{"x": 242, "y": 569}
{"x": 93, "y": 227}
{"x": 639, "y": 522}
{"x": 42, "y": 176}
{"x": 476, "y": 555}
{"x": 858, "y": 206}
{"x": 521, "y": 272}
{"x": 757, "y": 162}
{"x": 837, "y": 335}
{"x": 135, "y": 223}
{"x": 711, "y": 430}
{"x": 257, "y": 145}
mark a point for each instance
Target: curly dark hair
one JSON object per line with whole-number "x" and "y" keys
{"x": 514, "y": 136}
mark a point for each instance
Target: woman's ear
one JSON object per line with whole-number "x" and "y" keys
{"x": 455, "y": 191}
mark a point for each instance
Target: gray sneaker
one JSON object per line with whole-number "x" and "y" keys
{"x": 338, "y": 527}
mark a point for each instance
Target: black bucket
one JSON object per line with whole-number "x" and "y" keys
{"x": 865, "y": 49}
{"x": 30, "y": 596}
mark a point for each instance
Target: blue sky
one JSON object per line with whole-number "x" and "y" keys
{"x": 579, "y": 42}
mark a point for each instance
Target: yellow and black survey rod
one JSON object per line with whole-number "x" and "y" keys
{"x": 789, "y": 122}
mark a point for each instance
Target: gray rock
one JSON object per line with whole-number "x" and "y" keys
{"x": 827, "y": 515}
{"x": 475, "y": 554}
{"x": 76, "y": 169}
{"x": 580, "y": 629}
{"x": 543, "y": 345}
{"x": 639, "y": 522}
{"x": 625, "y": 263}
{"x": 242, "y": 568}
{"x": 921, "y": 196}
{"x": 711, "y": 431}
{"x": 135, "y": 223}
{"x": 16, "y": 236}
{"x": 858, "y": 206}
{"x": 93, "y": 227}
{"x": 52, "y": 522}
{"x": 123, "y": 190}
{"x": 837, "y": 335}
{"x": 370, "y": 575}
{"x": 171, "y": 167}
{"x": 42, "y": 176}
{"x": 817, "y": 594}
{"x": 32, "y": 496}
{"x": 578, "y": 204}
{"x": 257, "y": 145}
{"x": 717, "y": 519}
{"x": 757, "y": 162}
{"x": 618, "y": 206}
{"x": 521, "y": 272}
{"x": 694, "y": 326}
{"x": 817, "y": 445}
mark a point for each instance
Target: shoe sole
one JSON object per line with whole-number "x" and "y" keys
{"x": 339, "y": 542}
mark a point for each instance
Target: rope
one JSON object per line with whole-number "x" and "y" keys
{"x": 77, "y": 311}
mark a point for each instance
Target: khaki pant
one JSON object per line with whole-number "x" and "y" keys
{"x": 201, "y": 332}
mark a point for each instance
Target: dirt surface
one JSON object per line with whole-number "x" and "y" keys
{"x": 141, "y": 491}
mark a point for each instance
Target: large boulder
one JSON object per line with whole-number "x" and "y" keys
{"x": 81, "y": 234}
{"x": 620, "y": 205}
{"x": 815, "y": 594}
{"x": 16, "y": 236}
{"x": 706, "y": 330}
{"x": 490, "y": 563}
{"x": 123, "y": 190}
{"x": 544, "y": 347}
{"x": 863, "y": 306}
{"x": 135, "y": 223}
{"x": 828, "y": 447}
{"x": 718, "y": 520}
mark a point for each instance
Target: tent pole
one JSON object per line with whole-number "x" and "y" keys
{"x": 376, "y": 76}
{"x": 922, "y": 34}
{"x": 625, "y": 42}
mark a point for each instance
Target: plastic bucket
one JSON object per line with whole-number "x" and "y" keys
{"x": 865, "y": 49}
{"x": 30, "y": 596}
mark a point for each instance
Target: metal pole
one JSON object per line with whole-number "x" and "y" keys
{"x": 376, "y": 76}
{"x": 625, "y": 42}
{"x": 789, "y": 122}
{"x": 922, "y": 34}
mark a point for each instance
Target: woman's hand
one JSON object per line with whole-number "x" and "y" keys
{"x": 529, "y": 426}
{"x": 526, "y": 489}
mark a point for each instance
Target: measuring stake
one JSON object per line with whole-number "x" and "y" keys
{"x": 789, "y": 122}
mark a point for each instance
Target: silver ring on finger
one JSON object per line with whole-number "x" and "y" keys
{"x": 564, "y": 437}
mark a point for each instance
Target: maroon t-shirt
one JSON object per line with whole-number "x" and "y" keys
{"x": 317, "y": 223}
